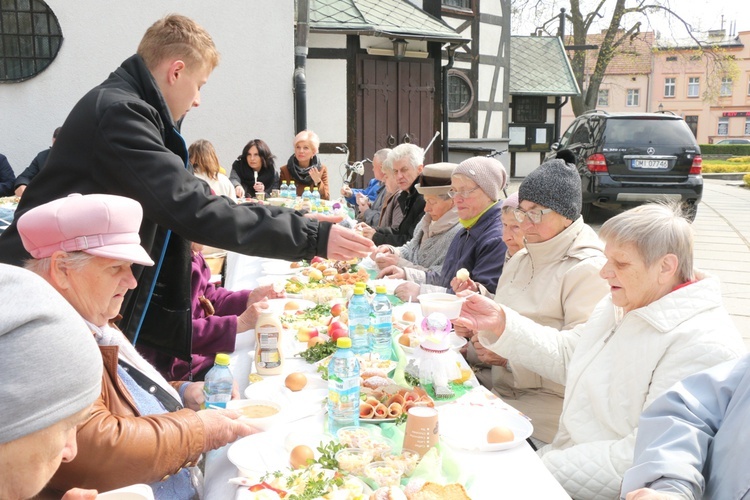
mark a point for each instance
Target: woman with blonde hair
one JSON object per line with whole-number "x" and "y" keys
{"x": 304, "y": 166}
{"x": 206, "y": 166}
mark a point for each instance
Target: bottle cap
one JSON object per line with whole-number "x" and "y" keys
{"x": 222, "y": 359}
{"x": 343, "y": 342}
{"x": 359, "y": 290}
{"x": 380, "y": 289}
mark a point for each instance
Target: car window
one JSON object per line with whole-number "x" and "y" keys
{"x": 648, "y": 131}
{"x": 582, "y": 134}
{"x": 565, "y": 139}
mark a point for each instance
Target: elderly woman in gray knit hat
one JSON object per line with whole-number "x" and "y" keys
{"x": 425, "y": 252}
{"x": 553, "y": 281}
{"x": 49, "y": 378}
{"x": 476, "y": 186}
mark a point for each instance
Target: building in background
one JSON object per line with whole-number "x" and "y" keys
{"x": 541, "y": 83}
{"x": 711, "y": 94}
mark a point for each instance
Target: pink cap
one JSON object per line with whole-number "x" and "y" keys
{"x": 98, "y": 224}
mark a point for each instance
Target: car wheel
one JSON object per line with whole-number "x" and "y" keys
{"x": 587, "y": 210}
{"x": 690, "y": 211}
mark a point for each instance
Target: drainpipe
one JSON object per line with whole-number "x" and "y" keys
{"x": 300, "y": 59}
{"x": 451, "y": 52}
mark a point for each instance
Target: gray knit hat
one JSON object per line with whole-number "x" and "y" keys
{"x": 488, "y": 173}
{"x": 52, "y": 367}
{"x": 554, "y": 184}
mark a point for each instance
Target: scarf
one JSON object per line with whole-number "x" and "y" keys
{"x": 301, "y": 175}
{"x": 469, "y": 223}
{"x": 108, "y": 335}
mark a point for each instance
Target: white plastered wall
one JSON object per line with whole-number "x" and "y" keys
{"x": 249, "y": 95}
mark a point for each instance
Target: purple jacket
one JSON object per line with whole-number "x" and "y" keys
{"x": 211, "y": 334}
{"x": 481, "y": 250}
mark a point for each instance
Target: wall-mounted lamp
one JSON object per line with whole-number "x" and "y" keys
{"x": 661, "y": 108}
{"x": 399, "y": 48}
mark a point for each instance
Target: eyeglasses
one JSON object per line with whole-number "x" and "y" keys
{"x": 463, "y": 194}
{"x": 534, "y": 216}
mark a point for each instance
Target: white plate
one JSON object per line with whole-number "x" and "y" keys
{"x": 389, "y": 283}
{"x": 301, "y": 403}
{"x": 278, "y": 305}
{"x": 453, "y": 428}
{"x": 456, "y": 343}
{"x": 278, "y": 267}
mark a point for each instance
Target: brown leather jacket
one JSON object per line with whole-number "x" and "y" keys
{"x": 118, "y": 447}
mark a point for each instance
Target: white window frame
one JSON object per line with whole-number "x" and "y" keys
{"x": 670, "y": 85}
{"x": 726, "y": 87}
{"x": 694, "y": 86}
{"x": 633, "y": 98}
{"x": 747, "y": 125}
{"x": 723, "y": 128}
{"x": 602, "y": 99}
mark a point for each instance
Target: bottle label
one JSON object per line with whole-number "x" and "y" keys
{"x": 268, "y": 337}
{"x": 343, "y": 393}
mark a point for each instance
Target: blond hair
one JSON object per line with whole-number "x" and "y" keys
{"x": 204, "y": 159}
{"x": 176, "y": 36}
{"x": 308, "y": 136}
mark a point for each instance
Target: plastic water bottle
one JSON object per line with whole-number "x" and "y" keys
{"x": 306, "y": 194}
{"x": 316, "y": 197}
{"x": 218, "y": 383}
{"x": 284, "y": 190}
{"x": 343, "y": 387}
{"x": 381, "y": 335}
{"x": 292, "y": 191}
{"x": 359, "y": 321}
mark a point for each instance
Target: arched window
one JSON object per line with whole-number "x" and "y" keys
{"x": 30, "y": 38}
{"x": 460, "y": 94}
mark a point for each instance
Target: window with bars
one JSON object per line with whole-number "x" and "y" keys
{"x": 669, "y": 87}
{"x": 694, "y": 86}
{"x": 460, "y": 94}
{"x": 458, "y": 4}
{"x": 30, "y": 38}
{"x": 529, "y": 109}
{"x": 634, "y": 97}
{"x": 726, "y": 87}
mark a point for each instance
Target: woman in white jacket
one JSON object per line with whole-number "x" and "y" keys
{"x": 658, "y": 325}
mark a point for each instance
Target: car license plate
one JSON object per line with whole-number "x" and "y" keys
{"x": 650, "y": 164}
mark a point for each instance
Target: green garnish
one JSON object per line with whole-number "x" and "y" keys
{"x": 318, "y": 351}
{"x": 323, "y": 370}
{"x": 328, "y": 455}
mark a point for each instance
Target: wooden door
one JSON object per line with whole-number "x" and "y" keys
{"x": 395, "y": 103}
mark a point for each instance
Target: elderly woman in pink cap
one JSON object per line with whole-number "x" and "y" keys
{"x": 138, "y": 430}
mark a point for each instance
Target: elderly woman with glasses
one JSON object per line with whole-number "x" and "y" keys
{"x": 478, "y": 247}
{"x": 138, "y": 430}
{"x": 553, "y": 281}
{"x": 425, "y": 252}
{"x": 659, "y": 323}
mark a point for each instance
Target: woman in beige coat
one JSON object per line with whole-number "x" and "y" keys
{"x": 554, "y": 281}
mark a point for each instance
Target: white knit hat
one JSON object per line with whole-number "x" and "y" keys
{"x": 52, "y": 367}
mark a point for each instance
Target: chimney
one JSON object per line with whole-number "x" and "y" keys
{"x": 716, "y": 35}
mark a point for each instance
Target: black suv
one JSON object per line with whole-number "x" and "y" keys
{"x": 625, "y": 159}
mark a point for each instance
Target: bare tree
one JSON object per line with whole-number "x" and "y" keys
{"x": 623, "y": 25}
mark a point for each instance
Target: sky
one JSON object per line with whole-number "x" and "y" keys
{"x": 703, "y": 15}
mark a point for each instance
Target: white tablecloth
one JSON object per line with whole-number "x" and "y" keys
{"x": 513, "y": 473}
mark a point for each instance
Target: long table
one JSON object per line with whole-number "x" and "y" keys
{"x": 514, "y": 473}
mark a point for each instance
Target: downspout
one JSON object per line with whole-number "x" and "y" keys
{"x": 300, "y": 59}
{"x": 451, "y": 53}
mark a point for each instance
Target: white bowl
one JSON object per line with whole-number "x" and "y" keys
{"x": 445, "y": 303}
{"x": 133, "y": 492}
{"x": 277, "y": 202}
{"x": 262, "y": 423}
